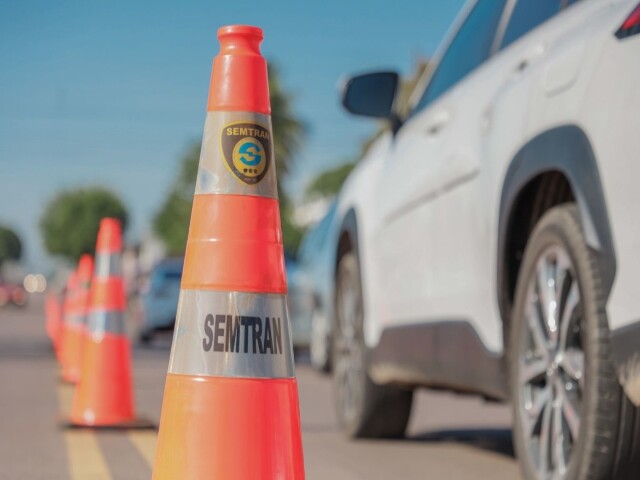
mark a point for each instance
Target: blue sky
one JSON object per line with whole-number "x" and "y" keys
{"x": 112, "y": 93}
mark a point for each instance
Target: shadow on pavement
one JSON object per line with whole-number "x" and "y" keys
{"x": 497, "y": 440}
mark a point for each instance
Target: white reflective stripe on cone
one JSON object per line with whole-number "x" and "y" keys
{"x": 215, "y": 173}
{"x": 103, "y": 321}
{"x": 108, "y": 265}
{"x": 232, "y": 334}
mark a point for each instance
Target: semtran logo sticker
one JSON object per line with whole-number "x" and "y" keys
{"x": 247, "y": 151}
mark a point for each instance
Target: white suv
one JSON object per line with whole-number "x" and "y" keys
{"x": 490, "y": 242}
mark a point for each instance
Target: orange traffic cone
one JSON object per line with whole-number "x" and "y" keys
{"x": 76, "y": 319}
{"x": 104, "y": 395}
{"x": 54, "y": 323}
{"x": 67, "y": 310}
{"x": 49, "y": 305}
{"x": 230, "y": 406}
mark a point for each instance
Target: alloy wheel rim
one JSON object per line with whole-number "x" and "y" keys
{"x": 551, "y": 371}
{"x": 348, "y": 349}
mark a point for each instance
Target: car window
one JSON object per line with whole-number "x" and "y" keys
{"x": 527, "y": 15}
{"x": 316, "y": 236}
{"x": 157, "y": 280}
{"x": 470, "y": 47}
{"x": 172, "y": 275}
{"x": 306, "y": 247}
{"x": 164, "y": 274}
{"x": 325, "y": 223}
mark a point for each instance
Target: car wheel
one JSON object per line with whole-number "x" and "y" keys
{"x": 319, "y": 348}
{"x": 571, "y": 418}
{"x": 364, "y": 408}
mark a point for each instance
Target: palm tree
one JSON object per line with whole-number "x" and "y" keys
{"x": 288, "y": 130}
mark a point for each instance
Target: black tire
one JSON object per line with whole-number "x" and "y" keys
{"x": 365, "y": 409}
{"x": 605, "y": 443}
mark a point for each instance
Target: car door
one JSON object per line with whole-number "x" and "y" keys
{"x": 431, "y": 226}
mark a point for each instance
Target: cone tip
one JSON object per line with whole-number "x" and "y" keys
{"x": 110, "y": 228}
{"x": 245, "y": 30}
{"x": 239, "y": 79}
{"x": 85, "y": 267}
{"x": 109, "y": 235}
{"x": 110, "y": 223}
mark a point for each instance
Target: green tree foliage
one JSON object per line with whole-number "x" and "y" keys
{"x": 291, "y": 233}
{"x": 288, "y": 129}
{"x": 171, "y": 223}
{"x": 329, "y": 182}
{"x": 69, "y": 224}
{"x": 10, "y": 245}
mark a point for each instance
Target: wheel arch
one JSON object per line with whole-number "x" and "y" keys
{"x": 347, "y": 239}
{"x": 544, "y": 168}
{"x": 347, "y": 242}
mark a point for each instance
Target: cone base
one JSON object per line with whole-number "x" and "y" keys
{"x": 239, "y": 428}
{"x": 70, "y": 376}
{"x": 133, "y": 424}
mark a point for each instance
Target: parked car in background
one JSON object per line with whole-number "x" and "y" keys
{"x": 489, "y": 243}
{"x": 159, "y": 298}
{"x": 298, "y": 304}
{"x": 313, "y": 299}
{"x": 158, "y": 302}
{"x": 12, "y": 294}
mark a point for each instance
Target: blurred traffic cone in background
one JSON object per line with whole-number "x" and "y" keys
{"x": 230, "y": 406}
{"x": 49, "y": 305}
{"x": 69, "y": 326}
{"x": 104, "y": 395}
{"x": 76, "y": 319}
{"x": 54, "y": 323}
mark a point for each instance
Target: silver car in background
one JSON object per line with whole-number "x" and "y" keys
{"x": 311, "y": 290}
{"x": 159, "y": 298}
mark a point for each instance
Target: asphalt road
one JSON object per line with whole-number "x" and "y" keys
{"x": 450, "y": 437}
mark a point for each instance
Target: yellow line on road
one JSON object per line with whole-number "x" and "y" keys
{"x": 83, "y": 450}
{"x": 85, "y": 457}
{"x": 145, "y": 442}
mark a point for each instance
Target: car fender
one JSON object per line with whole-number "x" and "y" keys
{"x": 565, "y": 149}
{"x": 357, "y": 217}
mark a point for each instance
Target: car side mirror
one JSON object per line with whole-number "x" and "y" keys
{"x": 371, "y": 95}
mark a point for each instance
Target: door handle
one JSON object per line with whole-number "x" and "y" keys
{"x": 522, "y": 66}
{"x": 438, "y": 121}
{"x": 529, "y": 58}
